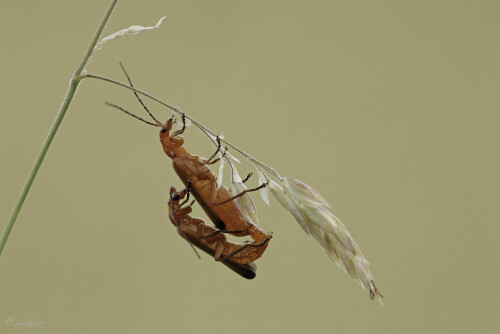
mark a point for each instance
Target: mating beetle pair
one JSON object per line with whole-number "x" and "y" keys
{"x": 217, "y": 202}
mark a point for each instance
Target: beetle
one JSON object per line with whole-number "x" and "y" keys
{"x": 238, "y": 257}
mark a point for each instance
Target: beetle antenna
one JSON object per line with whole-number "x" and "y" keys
{"x": 137, "y": 95}
{"x": 129, "y": 113}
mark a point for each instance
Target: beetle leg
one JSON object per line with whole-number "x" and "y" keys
{"x": 243, "y": 248}
{"x": 210, "y": 160}
{"x": 219, "y": 246}
{"x": 248, "y": 176}
{"x": 181, "y": 131}
{"x": 240, "y": 194}
{"x": 219, "y": 231}
{"x": 184, "y": 192}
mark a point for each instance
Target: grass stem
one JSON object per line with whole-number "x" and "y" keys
{"x": 74, "y": 82}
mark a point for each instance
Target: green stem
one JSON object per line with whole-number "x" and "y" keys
{"x": 196, "y": 123}
{"x": 75, "y": 81}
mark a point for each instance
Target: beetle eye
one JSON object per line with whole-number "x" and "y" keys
{"x": 163, "y": 130}
{"x": 175, "y": 197}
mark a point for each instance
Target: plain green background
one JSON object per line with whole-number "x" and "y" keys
{"x": 388, "y": 108}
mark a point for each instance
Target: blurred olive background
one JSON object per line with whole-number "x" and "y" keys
{"x": 388, "y": 108}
